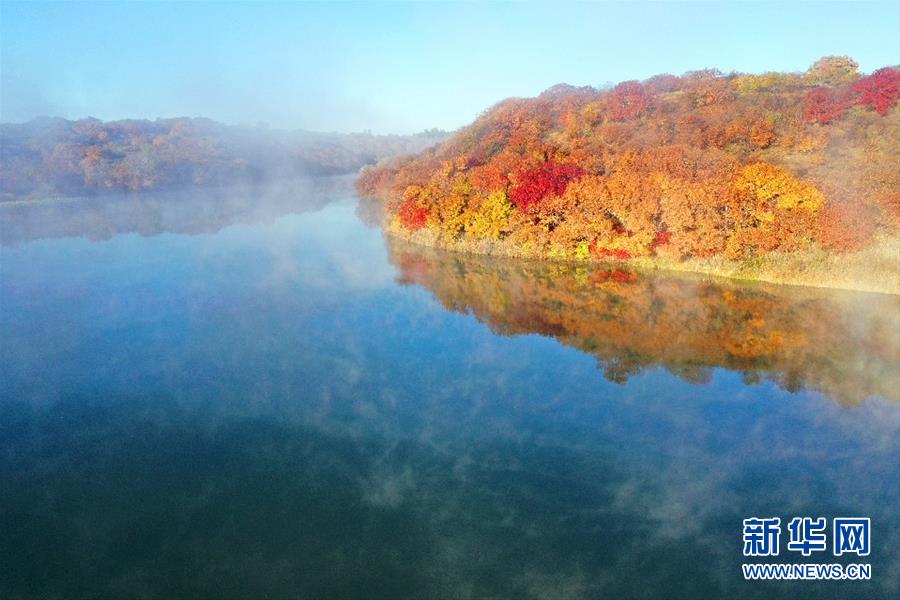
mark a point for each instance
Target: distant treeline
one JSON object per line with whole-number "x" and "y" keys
{"x": 57, "y": 157}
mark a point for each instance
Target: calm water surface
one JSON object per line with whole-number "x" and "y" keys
{"x": 252, "y": 395}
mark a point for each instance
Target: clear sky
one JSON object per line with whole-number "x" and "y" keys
{"x": 397, "y": 67}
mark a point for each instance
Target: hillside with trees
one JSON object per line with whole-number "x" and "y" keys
{"x": 49, "y": 157}
{"x": 790, "y": 177}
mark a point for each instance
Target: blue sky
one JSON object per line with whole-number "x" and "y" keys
{"x": 397, "y": 67}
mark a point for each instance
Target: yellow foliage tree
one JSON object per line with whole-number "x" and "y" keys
{"x": 491, "y": 219}
{"x": 767, "y": 183}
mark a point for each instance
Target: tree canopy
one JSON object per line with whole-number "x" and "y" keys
{"x": 699, "y": 165}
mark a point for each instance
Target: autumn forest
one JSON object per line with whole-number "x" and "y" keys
{"x": 778, "y": 176}
{"x": 49, "y": 157}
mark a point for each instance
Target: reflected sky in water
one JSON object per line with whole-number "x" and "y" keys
{"x": 280, "y": 403}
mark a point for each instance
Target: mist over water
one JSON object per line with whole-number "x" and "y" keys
{"x": 240, "y": 395}
{"x": 184, "y": 211}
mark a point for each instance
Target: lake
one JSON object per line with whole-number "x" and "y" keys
{"x": 252, "y": 393}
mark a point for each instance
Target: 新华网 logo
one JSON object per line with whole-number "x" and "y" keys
{"x": 806, "y": 535}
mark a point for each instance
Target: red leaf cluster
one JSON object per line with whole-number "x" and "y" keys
{"x": 824, "y": 105}
{"x": 601, "y": 252}
{"x": 628, "y": 100}
{"x": 548, "y": 179}
{"x": 412, "y": 215}
{"x": 662, "y": 238}
{"x": 880, "y": 90}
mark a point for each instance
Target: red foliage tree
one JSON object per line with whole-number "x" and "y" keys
{"x": 628, "y": 100}
{"x": 662, "y": 238}
{"x": 880, "y": 90}
{"x": 824, "y": 105}
{"x": 533, "y": 185}
{"x": 605, "y": 253}
{"x": 412, "y": 215}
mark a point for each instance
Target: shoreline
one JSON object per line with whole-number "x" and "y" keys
{"x": 809, "y": 269}
{"x": 176, "y": 192}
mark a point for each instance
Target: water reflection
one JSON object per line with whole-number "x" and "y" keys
{"x": 189, "y": 211}
{"x": 264, "y": 412}
{"x": 843, "y": 344}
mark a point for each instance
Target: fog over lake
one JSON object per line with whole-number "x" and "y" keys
{"x": 249, "y": 393}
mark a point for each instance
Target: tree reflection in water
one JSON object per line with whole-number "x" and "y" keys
{"x": 842, "y": 344}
